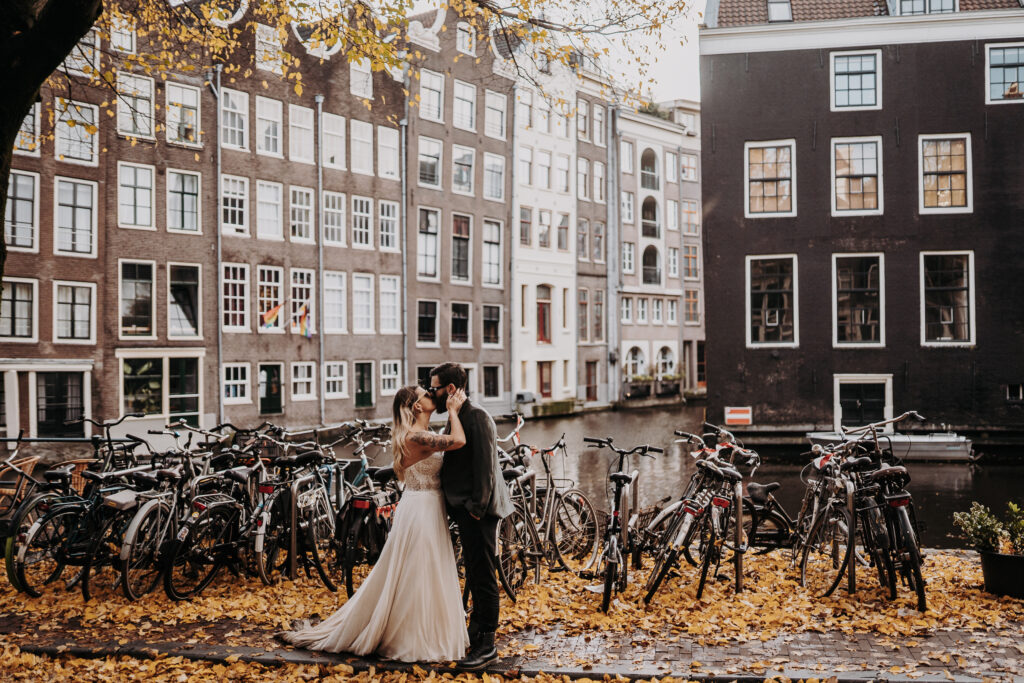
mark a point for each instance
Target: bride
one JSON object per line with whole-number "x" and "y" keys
{"x": 409, "y": 608}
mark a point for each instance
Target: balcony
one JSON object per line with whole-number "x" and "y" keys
{"x": 652, "y": 275}
{"x": 650, "y": 228}
{"x": 649, "y": 179}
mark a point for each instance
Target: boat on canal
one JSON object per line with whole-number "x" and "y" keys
{"x": 934, "y": 447}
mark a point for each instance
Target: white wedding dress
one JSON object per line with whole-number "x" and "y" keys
{"x": 409, "y": 608}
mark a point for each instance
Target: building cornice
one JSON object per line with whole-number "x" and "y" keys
{"x": 647, "y": 120}
{"x": 863, "y": 32}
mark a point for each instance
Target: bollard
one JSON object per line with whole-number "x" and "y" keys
{"x": 293, "y": 544}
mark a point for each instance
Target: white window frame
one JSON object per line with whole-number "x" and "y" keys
{"x": 268, "y": 49}
{"x": 431, "y": 78}
{"x": 672, "y": 167}
{"x": 973, "y": 340}
{"x": 920, "y": 175}
{"x": 501, "y": 382}
{"x": 626, "y": 154}
{"x": 464, "y": 29}
{"x": 877, "y": 139}
{"x": 293, "y": 281}
{"x": 94, "y": 63}
{"x": 437, "y": 325}
{"x": 626, "y": 309}
{"x": 458, "y": 121}
{"x": 396, "y": 376}
{"x": 988, "y": 73}
{"x": 501, "y": 327}
{"x": 881, "y": 301}
{"x": 312, "y": 379}
{"x": 36, "y": 198}
{"x": 657, "y": 311}
{"x": 672, "y": 214}
{"x": 599, "y": 182}
{"x": 169, "y": 107}
{"x": 154, "y": 297}
{"x": 360, "y": 74}
{"x": 500, "y": 161}
{"x": 94, "y": 138}
{"x": 260, "y": 234}
{"x": 436, "y": 236}
{"x": 672, "y": 312}
{"x": 342, "y": 377}
{"x": 279, "y": 325}
{"x": 245, "y": 385}
{"x": 272, "y": 111}
{"x": 333, "y": 139}
{"x": 849, "y": 378}
{"x": 390, "y": 284}
{"x": 456, "y": 151}
{"x": 91, "y": 286}
{"x": 641, "y": 310}
{"x": 353, "y": 215}
{"x": 301, "y": 141}
{"x": 164, "y": 355}
{"x": 36, "y": 143}
{"x": 388, "y": 216}
{"x": 95, "y": 210}
{"x": 747, "y": 146}
{"x": 372, "y": 329}
{"x": 628, "y": 258}
{"x": 483, "y": 255}
{"x": 200, "y": 302}
{"x": 338, "y": 277}
{"x": 599, "y": 125}
{"x": 310, "y": 193}
{"x": 628, "y": 208}
{"x": 673, "y": 262}
{"x": 796, "y": 303}
{"x": 832, "y": 79}
{"x": 152, "y": 196}
{"x": 34, "y": 337}
{"x": 440, "y": 163}
{"x": 469, "y": 325}
{"x": 500, "y": 104}
{"x": 359, "y": 163}
{"x": 199, "y": 202}
{"x": 247, "y": 304}
{"x": 122, "y": 34}
{"x": 340, "y": 199}
{"x": 242, "y": 112}
{"x": 387, "y": 152}
{"x": 232, "y": 228}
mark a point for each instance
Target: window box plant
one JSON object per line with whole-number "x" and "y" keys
{"x": 668, "y": 384}
{"x": 1000, "y": 544}
{"x": 639, "y": 386}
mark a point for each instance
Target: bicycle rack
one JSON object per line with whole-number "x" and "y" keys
{"x": 293, "y": 544}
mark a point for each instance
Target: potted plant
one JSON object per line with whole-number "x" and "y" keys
{"x": 1001, "y": 546}
{"x": 668, "y": 384}
{"x": 639, "y": 386}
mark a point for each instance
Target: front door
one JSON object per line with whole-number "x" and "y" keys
{"x": 591, "y": 380}
{"x": 271, "y": 402}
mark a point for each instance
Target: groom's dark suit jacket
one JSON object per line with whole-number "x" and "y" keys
{"x": 470, "y": 476}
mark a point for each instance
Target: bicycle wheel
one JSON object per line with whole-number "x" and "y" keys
{"x": 141, "y": 568}
{"x": 766, "y": 530}
{"x": 271, "y": 544}
{"x": 30, "y": 511}
{"x": 739, "y": 543}
{"x": 575, "y": 531}
{"x": 319, "y": 523}
{"x": 873, "y": 539}
{"x": 827, "y": 552}
{"x": 512, "y": 551}
{"x": 695, "y": 538}
{"x": 356, "y": 558}
{"x": 911, "y": 556}
{"x": 664, "y": 561}
{"x": 102, "y": 576}
{"x": 610, "y": 572}
{"x": 710, "y": 551}
{"x": 40, "y": 561}
{"x": 200, "y": 553}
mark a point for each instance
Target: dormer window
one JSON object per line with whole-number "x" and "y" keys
{"x": 909, "y": 7}
{"x": 779, "y": 10}
{"x": 465, "y": 40}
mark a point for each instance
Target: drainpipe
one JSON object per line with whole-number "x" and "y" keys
{"x": 319, "y": 99}
{"x": 220, "y": 269}
{"x": 404, "y": 219}
{"x": 614, "y": 248}
{"x": 682, "y": 281}
{"x": 515, "y": 288}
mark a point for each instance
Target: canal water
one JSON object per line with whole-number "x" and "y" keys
{"x": 939, "y": 489}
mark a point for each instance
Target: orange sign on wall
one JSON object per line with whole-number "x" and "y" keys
{"x": 739, "y": 415}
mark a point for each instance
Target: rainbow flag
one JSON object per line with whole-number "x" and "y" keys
{"x": 304, "y": 326}
{"x": 269, "y": 317}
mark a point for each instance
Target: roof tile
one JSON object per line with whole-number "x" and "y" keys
{"x": 748, "y": 12}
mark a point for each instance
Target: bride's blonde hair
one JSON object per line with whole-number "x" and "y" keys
{"x": 403, "y": 417}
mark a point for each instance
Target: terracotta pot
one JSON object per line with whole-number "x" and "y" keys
{"x": 1004, "y": 574}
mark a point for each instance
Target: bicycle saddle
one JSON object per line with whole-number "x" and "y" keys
{"x": 861, "y": 464}
{"x": 239, "y": 474}
{"x": 58, "y": 474}
{"x": 384, "y": 474}
{"x": 891, "y": 473}
{"x": 759, "y": 492}
{"x": 300, "y": 460}
{"x": 620, "y": 478}
{"x": 513, "y": 473}
{"x": 730, "y": 474}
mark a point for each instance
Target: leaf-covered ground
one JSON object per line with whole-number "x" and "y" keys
{"x": 241, "y": 613}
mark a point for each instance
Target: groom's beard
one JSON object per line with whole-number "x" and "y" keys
{"x": 441, "y": 404}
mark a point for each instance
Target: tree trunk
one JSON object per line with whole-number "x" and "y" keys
{"x": 35, "y": 37}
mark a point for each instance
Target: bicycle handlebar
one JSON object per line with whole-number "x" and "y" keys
{"x": 102, "y": 425}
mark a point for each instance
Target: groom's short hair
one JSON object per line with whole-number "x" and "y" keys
{"x": 450, "y": 373}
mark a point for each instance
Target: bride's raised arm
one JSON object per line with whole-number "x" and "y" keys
{"x": 455, "y": 439}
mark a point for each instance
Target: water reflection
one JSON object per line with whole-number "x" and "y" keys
{"x": 939, "y": 489}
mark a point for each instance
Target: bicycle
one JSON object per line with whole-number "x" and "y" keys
{"x": 619, "y": 538}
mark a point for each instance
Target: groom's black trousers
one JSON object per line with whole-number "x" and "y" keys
{"x": 479, "y": 537}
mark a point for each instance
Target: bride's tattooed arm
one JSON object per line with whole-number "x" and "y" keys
{"x": 435, "y": 442}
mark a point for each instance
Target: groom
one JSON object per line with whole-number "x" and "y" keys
{"x": 477, "y": 500}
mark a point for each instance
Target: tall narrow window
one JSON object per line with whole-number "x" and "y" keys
{"x": 562, "y": 173}
{"x": 460, "y": 323}
{"x": 270, "y": 299}
{"x": 27, "y": 141}
{"x": 362, "y": 221}
{"x": 627, "y": 207}
{"x": 857, "y": 176}
{"x": 771, "y": 282}
{"x": 390, "y": 306}
{"x": 334, "y": 218}
{"x": 543, "y": 174}
{"x": 525, "y": 166}
{"x": 76, "y": 217}
{"x": 361, "y": 78}
{"x": 597, "y": 319}
{"x": 691, "y": 306}
{"x": 388, "y": 225}
{"x": 268, "y": 49}
{"x": 183, "y": 301}
{"x": 945, "y": 177}
{"x": 182, "y": 114}
{"x": 460, "y": 247}
{"x": 301, "y": 296}
{"x": 137, "y": 300}
{"x": 462, "y": 169}
{"x": 300, "y": 134}
{"x": 430, "y": 152}
{"x": 18, "y": 310}
{"x": 269, "y": 116}
{"x": 492, "y": 253}
{"x": 544, "y": 228}
{"x": 269, "y": 212}
{"x": 492, "y": 324}
{"x": 691, "y": 217}
{"x": 387, "y": 152}
{"x": 673, "y": 262}
{"x": 362, "y": 147}
{"x": 182, "y": 201}
{"x": 426, "y": 243}
{"x": 583, "y": 119}
{"x": 563, "y": 231}
{"x": 770, "y": 184}
{"x": 583, "y": 178}
{"x": 464, "y": 106}
{"x": 494, "y": 177}
{"x": 431, "y": 96}
{"x": 335, "y": 318}
{"x": 543, "y": 314}
{"x": 333, "y": 140}
{"x": 74, "y": 313}
{"x": 234, "y": 120}
{"x": 599, "y": 189}
{"x": 525, "y": 225}
{"x": 858, "y": 296}
{"x": 22, "y": 213}
{"x": 582, "y": 315}
{"x": 234, "y": 203}
{"x": 599, "y": 125}
{"x": 135, "y": 196}
{"x": 691, "y": 269}
{"x": 76, "y": 132}
{"x": 363, "y": 308}
{"x": 524, "y": 109}
{"x": 134, "y": 105}
{"x": 947, "y": 299}
{"x": 426, "y": 322}
{"x": 628, "y": 257}
{"x": 235, "y": 297}
{"x": 582, "y": 239}
{"x": 301, "y": 214}
{"x": 494, "y": 125}
{"x": 597, "y": 243}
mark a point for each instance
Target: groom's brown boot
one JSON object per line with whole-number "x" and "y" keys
{"x": 481, "y": 655}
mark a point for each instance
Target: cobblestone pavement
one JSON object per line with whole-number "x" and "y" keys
{"x": 946, "y": 655}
